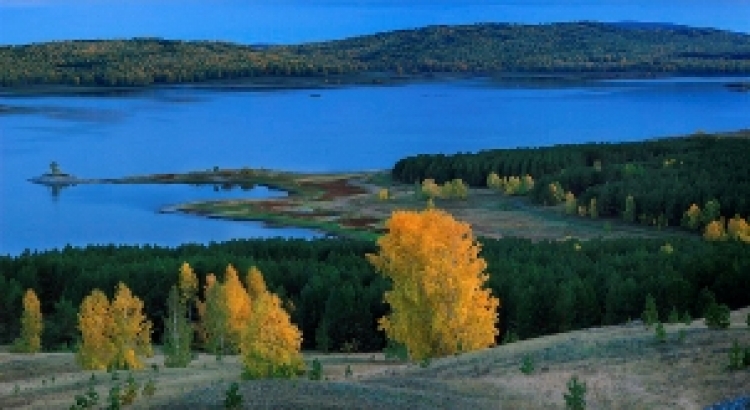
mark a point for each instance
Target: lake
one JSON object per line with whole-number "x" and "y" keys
{"x": 182, "y": 129}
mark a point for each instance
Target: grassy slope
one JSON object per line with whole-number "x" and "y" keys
{"x": 623, "y": 366}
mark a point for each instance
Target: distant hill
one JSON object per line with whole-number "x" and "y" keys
{"x": 625, "y": 49}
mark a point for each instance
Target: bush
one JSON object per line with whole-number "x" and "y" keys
{"x": 661, "y": 333}
{"x": 575, "y": 398}
{"x": 233, "y": 399}
{"x": 316, "y": 373}
{"x": 717, "y": 316}
{"x": 737, "y": 358}
{"x": 527, "y": 365}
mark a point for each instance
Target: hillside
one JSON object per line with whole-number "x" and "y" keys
{"x": 623, "y": 367}
{"x": 563, "y": 48}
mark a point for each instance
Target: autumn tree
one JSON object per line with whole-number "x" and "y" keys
{"x": 692, "y": 217}
{"x": 216, "y": 320}
{"x": 571, "y": 204}
{"x": 131, "y": 330}
{"x": 113, "y": 335}
{"x": 238, "y": 305}
{"x": 188, "y": 286}
{"x": 94, "y": 322}
{"x": 178, "y": 334}
{"x": 714, "y": 231}
{"x": 271, "y": 343}
{"x": 438, "y": 303}
{"x": 31, "y": 325}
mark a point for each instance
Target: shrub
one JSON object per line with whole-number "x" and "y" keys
{"x": 87, "y": 400}
{"x": 527, "y": 365}
{"x": 717, "y": 316}
{"x": 149, "y": 389}
{"x": 661, "y": 333}
{"x": 650, "y": 314}
{"x": 575, "y": 398}
{"x": 674, "y": 316}
{"x": 316, "y": 373}
{"x": 736, "y": 357}
{"x": 233, "y": 399}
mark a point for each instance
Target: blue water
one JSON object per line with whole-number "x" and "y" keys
{"x": 182, "y": 129}
{"x": 293, "y": 21}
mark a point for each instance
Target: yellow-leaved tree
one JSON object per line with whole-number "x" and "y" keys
{"x": 31, "y": 325}
{"x": 438, "y": 302}
{"x": 94, "y": 322}
{"x": 113, "y": 335}
{"x": 131, "y": 332}
{"x": 238, "y": 306}
{"x": 271, "y": 343}
{"x": 215, "y": 319}
{"x": 188, "y": 284}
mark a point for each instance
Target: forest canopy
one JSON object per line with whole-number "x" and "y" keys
{"x": 486, "y": 49}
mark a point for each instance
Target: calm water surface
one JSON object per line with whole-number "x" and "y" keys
{"x": 183, "y": 129}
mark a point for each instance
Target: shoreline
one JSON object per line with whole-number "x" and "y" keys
{"x": 367, "y": 79}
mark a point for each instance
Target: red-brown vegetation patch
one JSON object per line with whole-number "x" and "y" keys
{"x": 337, "y": 188}
{"x": 361, "y": 222}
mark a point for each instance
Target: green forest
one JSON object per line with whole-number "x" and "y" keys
{"x": 664, "y": 177}
{"x": 544, "y": 287}
{"x": 484, "y": 49}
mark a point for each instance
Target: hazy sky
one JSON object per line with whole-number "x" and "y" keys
{"x": 291, "y": 21}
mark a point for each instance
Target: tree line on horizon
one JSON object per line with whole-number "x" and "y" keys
{"x": 335, "y": 297}
{"x": 486, "y": 49}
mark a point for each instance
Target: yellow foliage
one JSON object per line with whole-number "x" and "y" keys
{"x": 383, "y": 194}
{"x": 131, "y": 330}
{"x": 271, "y": 343}
{"x": 31, "y": 325}
{"x": 593, "y": 210}
{"x": 494, "y": 182}
{"x": 113, "y": 335}
{"x": 95, "y": 324}
{"x": 693, "y": 216}
{"x": 570, "y": 203}
{"x": 582, "y": 210}
{"x": 431, "y": 189}
{"x": 438, "y": 305}
{"x": 714, "y": 231}
{"x": 188, "y": 284}
{"x": 738, "y": 228}
{"x": 238, "y": 305}
{"x": 256, "y": 286}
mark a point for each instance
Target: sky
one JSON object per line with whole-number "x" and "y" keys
{"x": 295, "y": 21}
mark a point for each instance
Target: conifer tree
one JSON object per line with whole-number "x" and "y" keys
{"x": 31, "y": 325}
{"x": 438, "y": 304}
{"x": 178, "y": 334}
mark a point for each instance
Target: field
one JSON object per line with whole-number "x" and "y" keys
{"x": 624, "y": 367}
{"x": 348, "y": 205}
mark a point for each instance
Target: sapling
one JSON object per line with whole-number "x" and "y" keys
{"x": 575, "y": 398}
{"x": 527, "y": 365}
{"x": 661, "y": 333}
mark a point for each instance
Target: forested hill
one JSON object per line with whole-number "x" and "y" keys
{"x": 585, "y": 47}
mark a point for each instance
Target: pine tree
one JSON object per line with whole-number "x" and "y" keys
{"x": 629, "y": 214}
{"x": 650, "y": 313}
{"x": 31, "y": 325}
{"x": 178, "y": 334}
{"x": 438, "y": 305}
